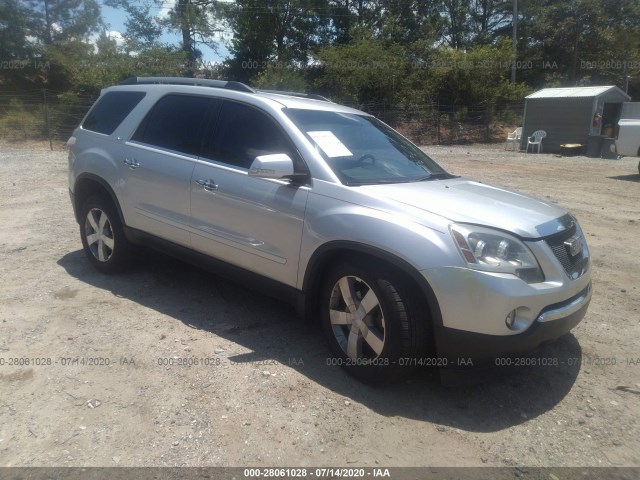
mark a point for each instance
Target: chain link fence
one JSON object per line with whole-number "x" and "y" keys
{"x": 50, "y": 115}
{"x": 437, "y": 124}
{"x": 41, "y": 114}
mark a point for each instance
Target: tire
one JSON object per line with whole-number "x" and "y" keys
{"x": 103, "y": 239}
{"x": 377, "y": 346}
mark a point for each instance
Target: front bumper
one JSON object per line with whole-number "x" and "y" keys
{"x": 479, "y": 301}
{"x": 471, "y": 349}
{"x": 474, "y": 306}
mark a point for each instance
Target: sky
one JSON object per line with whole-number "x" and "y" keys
{"x": 115, "y": 19}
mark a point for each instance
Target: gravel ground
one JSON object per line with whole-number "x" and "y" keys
{"x": 265, "y": 396}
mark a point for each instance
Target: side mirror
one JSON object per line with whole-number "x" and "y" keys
{"x": 277, "y": 165}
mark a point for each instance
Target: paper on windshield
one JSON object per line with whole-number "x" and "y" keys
{"x": 330, "y": 144}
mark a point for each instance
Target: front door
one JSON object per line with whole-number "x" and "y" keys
{"x": 250, "y": 222}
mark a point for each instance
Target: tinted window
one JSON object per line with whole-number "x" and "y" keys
{"x": 110, "y": 110}
{"x": 244, "y": 133}
{"x": 175, "y": 123}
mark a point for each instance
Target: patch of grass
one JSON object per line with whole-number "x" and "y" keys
{"x": 21, "y": 122}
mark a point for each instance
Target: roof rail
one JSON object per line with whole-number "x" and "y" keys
{"x": 203, "y": 82}
{"x": 206, "y": 82}
{"x": 311, "y": 96}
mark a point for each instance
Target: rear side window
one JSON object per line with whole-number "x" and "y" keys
{"x": 175, "y": 123}
{"x": 110, "y": 110}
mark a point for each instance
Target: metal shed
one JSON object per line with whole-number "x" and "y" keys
{"x": 573, "y": 115}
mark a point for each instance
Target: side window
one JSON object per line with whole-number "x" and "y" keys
{"x": 243, "y": 133}
{"x": 175, "y": 122}
{"x": 110, "y": 110}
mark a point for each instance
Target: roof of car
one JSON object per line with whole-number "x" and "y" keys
{"x": 234, "y": 90}
{"x": 307, "y": 103}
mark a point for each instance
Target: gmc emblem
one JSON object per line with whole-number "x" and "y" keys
{"x": 574, "y": 245}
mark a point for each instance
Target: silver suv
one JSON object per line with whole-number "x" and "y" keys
{"x": 403, "y": 263}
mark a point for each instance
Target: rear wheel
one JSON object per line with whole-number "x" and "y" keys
{"x": 373, "y": 322}
{"x": 102, "y": 235}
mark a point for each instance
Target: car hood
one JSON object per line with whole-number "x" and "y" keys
{"x": 466, "y": 201}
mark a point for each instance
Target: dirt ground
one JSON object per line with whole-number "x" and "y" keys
{"x": 262, "y": 393}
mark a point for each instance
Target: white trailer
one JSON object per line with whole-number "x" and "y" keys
{"x": 630, "y": 110}
{"x": 628, "y": 140}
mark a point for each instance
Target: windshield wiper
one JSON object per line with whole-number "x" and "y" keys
{"x": 437, "y": 176}
{"x": 388, "y": 181}
{"x": 382, "y": 181}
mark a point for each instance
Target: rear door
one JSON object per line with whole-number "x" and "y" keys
{"x": 159, "y": 162}
{"x": 254, "y": 223}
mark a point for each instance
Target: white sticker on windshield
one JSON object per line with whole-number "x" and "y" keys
{"x": 330, "y": 144}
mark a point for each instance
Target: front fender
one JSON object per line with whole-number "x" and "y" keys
{"x": 331, "y": 220}
{"x": 338, "y": 227}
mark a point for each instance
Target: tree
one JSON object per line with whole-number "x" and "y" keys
{"x": 456, "y": 30}
{"x": 197, "y": 23}
{"x": 142, "y": 28}
{"x": 475, "y": 22}
{"x": 276, "y": 31}
{"x": 456, "y": 77}
{"x": 346, "y": 15}
{"x": 490, "y": 19}
{"x": 18, "y": 51}
{"x": 279, "y": 77}
{"x": 16, "y": 25}
{"x": 571, "y": 31}
{"x": 32, "y": 30}
{"x": 252, "y": 44}
{"x": 67, "y": 20}
{"x": 623, "y": 47}
{"x": 364, "y": 71}
{"x": 409, "y": 21}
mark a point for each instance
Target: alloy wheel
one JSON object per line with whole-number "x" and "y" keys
{"x": 99, "y": 234}
{"x": 356, "y": 317}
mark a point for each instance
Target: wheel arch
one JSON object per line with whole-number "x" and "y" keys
{"x": 88, "y": 184}
{"x": 331, "y": 252}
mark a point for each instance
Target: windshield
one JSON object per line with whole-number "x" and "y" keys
{"x": 362, "y": 150}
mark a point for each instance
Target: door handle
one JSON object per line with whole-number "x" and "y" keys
{"x": 208, "y": 185}
{"x": 132, "y": 163}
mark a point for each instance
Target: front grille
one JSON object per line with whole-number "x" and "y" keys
{"x": 575, "y": 266}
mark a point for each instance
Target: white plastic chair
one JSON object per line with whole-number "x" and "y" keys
{"x": 536, "y": 140}
{"x": 513, "y": 138}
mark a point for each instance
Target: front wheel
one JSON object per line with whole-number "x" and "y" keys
{"x": 374, "y": 322}
{"x": 103, "y": 239}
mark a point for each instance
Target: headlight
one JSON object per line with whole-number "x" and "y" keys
{"x": 495, "y": 251}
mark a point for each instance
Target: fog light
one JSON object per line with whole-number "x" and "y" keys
{"x": 511, "y": 318}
